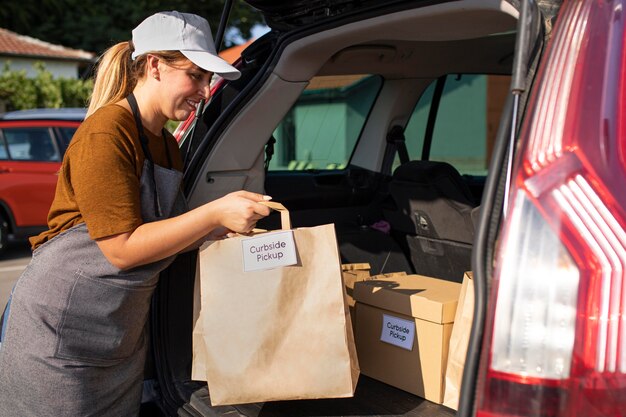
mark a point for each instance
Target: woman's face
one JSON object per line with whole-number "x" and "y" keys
{"x": 183, "y": 85}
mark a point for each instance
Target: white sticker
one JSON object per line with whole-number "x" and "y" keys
{"x": 397, "y": 331}
{"x": 269, "y": 250}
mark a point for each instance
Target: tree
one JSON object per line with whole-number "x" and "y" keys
{"x": 95, "y": 25}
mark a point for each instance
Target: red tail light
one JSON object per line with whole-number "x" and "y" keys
{"x": 555, "y": 344}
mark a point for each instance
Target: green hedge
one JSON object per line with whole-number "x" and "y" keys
{"x": 17, "y": 92}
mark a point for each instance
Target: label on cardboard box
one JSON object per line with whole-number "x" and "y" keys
{"x": 398, "y": 332}
{"x": 269, "y": 250}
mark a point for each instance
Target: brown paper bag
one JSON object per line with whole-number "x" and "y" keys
{"x": 459, "y": 340}
{"x": 274, "y": 334}
{"x": 198, "y": 362}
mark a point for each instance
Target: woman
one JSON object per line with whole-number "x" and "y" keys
{"x": 74, "y": 342}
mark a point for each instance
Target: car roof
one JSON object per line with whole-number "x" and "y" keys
{"x": 70, "y": 113}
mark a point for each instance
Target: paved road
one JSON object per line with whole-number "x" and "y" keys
{"x": 12, "y": 263}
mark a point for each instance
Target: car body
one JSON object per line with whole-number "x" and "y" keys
{"x": 32, "y": 144}
{"x": 534, "y": 128}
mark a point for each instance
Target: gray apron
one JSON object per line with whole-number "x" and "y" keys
{"x": 76, "y": 334}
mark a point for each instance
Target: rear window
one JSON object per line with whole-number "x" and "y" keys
{"x": 322, "y": 128}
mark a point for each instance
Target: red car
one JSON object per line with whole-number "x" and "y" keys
{"x": 32, "y": 144}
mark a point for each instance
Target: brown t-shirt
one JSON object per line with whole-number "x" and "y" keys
{"x": 99, "y": 179}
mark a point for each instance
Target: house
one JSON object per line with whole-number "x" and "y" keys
{"x": 21, "y": 52}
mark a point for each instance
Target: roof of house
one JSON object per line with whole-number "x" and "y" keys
{"x": 232, "y": 54}
{"x": 14, "y": 44}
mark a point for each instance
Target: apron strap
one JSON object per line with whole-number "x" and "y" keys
{"x": 132, "y": 101}
{"x": 167, "y": 150}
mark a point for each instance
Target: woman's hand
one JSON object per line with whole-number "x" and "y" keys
{"x": 239, "y": 211}
{"x": 235, "y": 212}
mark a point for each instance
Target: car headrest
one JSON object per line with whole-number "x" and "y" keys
{"x": 432, "y": 172}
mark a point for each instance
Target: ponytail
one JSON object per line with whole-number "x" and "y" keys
{"x": 116, "y": 76}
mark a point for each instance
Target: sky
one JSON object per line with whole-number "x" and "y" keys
{"x": 257, "y": 32}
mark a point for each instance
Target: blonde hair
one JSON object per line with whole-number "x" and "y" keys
{"x": 117, "y": 74}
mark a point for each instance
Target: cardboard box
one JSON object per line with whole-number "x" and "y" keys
{"x": 403, "y": 327}
{"x": 353, "y": 273}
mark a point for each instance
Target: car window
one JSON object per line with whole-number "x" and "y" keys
{"x": 3, "y": 148}
{"x": 65, "y": 135}
{"x": 31, "y": 144}
{"x": 321, "y": 129}
{"x": 466, "y": 123}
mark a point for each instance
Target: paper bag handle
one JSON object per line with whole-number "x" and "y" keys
{"x": 284, "y": 213}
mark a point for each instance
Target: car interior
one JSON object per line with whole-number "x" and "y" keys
{"x": 402, "y": 193}
{"x": 408, "y": 62}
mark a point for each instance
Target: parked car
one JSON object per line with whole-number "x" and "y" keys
{"x": 482, "y": 143}
{"x": 32, "y": 144}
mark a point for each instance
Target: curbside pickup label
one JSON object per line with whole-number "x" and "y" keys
{"x": 269, "y": 250}
{"x": 397, "y": 331}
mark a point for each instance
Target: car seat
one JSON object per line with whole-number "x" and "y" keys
{"x": 431, "y": 208}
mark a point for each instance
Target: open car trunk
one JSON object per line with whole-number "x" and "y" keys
{"x": 408, "y": 47}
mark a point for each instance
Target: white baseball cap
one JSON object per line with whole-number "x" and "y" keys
{"x": 185, "y": 32}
